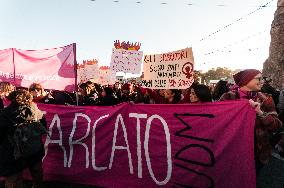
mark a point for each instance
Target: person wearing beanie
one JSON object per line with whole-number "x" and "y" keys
{"x": 242, "y": 78}
{"x": 248, "y": 85}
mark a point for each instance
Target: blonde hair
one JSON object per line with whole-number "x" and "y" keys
{"x": 6, "y": 88}
{"x": 20, "y": 97}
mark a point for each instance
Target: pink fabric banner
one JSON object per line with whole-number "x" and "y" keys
{"x": 6, "y": 66}
{"x": 52, "y": 68}
{"x": 202, "y": 145}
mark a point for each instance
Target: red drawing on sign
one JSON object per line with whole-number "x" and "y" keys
{"x": 187, "y": 69}
{"x": 172, "y": 83}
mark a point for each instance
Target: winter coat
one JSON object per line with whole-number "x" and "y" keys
{"x": 265, "y": 125}
{"x": 108, "y": 101}
{"x": 8, "y": 117}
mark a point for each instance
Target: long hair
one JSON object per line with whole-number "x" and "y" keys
{"x": 6, "y": 87}
{"x": 202, "y": 92}
{"x": 177, "y": 96}
{"x": 22, "y": 108}
{"x": 220, "y": 88}
{"x": 20, "y": 97}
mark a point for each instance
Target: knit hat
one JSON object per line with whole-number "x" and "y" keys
{"x": 245, "y": 76}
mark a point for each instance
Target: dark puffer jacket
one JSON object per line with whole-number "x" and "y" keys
{"x": 8, "y": 117}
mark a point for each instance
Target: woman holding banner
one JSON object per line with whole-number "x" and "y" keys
{"x": 249, "y": 83}
{"x": 21, "y": 114}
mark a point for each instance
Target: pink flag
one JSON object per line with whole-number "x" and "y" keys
{"x": 52, "y": 68}
{"x": 6, "y": 65}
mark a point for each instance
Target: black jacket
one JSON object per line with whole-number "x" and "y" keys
{"x": 8, "y": 165}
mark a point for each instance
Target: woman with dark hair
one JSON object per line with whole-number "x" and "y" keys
{"x": 220, "y": 88}
{"x": 200, "y": 93}
{"x": 85, "y": 96}
{"x": 172, "y": 96}
{"x": 108, "y": 98}
{"x": 12, "y": 163}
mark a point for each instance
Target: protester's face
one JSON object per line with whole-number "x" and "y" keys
{"x": 162, "y": 92}
{"x": 91, "y": 86}
{"x": 168, "y": 93}
{"x": 193, "y": 97}
{"x": 256, "y": 83}
{"x": 36, "y": 92}
{"x": 117, "y": 85}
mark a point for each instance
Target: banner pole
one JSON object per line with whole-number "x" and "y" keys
{"x": 75, "y": 70}
{"x": 14, "y": 66}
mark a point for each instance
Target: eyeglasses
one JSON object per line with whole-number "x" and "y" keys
{"x": 259, "y": 78}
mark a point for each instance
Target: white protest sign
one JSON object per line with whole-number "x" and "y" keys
{"x": 173, "y": 70}
{"x": 105, "y": 76}
{"x": 128, "y": 61}
{"x": 87, "y": 71}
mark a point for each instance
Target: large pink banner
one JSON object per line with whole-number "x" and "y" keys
{"x": 52, "y": 68}
{"x": 6, "y": 65}
{"x": 202, "y": 145}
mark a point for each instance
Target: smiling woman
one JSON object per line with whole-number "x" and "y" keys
{"x": 249, "y": 83}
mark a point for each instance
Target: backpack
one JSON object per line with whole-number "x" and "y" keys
{"x": 26, "y": 139}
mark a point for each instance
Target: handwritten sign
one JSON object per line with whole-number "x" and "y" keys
{"x": 105, "y": 76}
{"x": 173, "y": 70}
{"x": 128, "y": 61}
{"x": 88, "y": 70}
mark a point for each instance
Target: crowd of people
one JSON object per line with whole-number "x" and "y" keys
{"x": 267, "y": 102}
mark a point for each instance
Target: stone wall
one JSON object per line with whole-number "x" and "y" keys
{"x": 273, "y": 67}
